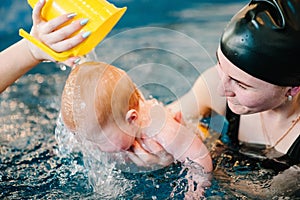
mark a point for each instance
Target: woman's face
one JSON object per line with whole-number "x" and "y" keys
{"x": 246, "y": 94}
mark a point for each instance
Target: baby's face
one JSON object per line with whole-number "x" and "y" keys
{"x": 115, "y": 139}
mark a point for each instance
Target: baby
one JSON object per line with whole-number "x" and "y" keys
{"x": 101, "y": 104}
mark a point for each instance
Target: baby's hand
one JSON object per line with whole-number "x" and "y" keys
{"x": 149, "y": 153}
{"x": 54, "y": 35}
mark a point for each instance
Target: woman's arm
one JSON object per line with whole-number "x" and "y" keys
{"x": 202, "y": 98}
{"x": 14, "y": 62}
{"x": 22, "y": 56}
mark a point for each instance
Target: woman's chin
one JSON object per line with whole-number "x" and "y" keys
{"x": 238, "y": 109}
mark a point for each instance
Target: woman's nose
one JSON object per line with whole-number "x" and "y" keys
{"x": 224, "y": 88}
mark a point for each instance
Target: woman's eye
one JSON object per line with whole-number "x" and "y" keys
{"x": 241, "y": 86}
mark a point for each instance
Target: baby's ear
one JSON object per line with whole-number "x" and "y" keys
{"x": 131, "y": 116}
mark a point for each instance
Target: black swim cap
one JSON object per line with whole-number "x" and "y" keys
{"x": 263, "y": 39}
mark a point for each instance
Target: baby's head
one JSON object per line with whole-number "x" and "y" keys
{"x": 99, "y": 102}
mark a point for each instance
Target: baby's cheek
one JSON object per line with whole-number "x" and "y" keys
{"x": 158, "y": 116}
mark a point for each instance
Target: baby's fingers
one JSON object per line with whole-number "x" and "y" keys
{"x": 152, "y": 146}
{"x": 134, "y": 158}
{"x": 142, "y": 157}
{"x": 164, "y": 158}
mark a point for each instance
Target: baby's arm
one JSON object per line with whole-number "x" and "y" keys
{"x": 22, "y": 56}
{"x": 182, "y": 143}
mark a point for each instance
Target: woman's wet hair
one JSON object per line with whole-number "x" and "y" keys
{"x": 263, "y": 39}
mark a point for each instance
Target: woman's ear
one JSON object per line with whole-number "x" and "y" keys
{"x": 131, "y": 116}
{"x": 295, "y": 90}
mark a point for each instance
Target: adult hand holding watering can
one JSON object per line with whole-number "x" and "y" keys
{"x": 52, "y": 35}
{"x": 22, "y": 56}
{"x": 96, "y": 16}
{"x": 59, "y": 30}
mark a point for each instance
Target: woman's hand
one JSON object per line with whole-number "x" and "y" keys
{"x": 54, "y": 34}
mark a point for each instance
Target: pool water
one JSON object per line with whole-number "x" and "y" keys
{"x": 163, "y": 46}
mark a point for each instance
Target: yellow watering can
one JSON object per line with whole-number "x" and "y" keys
{"x": 102, "y": 16}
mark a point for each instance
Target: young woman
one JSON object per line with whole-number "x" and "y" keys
{"x": 258, "y": 82}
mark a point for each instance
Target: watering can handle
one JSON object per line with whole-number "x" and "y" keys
{"x": 58, "y": 56}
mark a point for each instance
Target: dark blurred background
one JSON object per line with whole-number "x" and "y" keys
{"x": 17, "y": 14}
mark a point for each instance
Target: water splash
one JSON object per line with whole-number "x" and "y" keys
{"x": 112, "y": 175}
{"x": 104, "y": 177}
